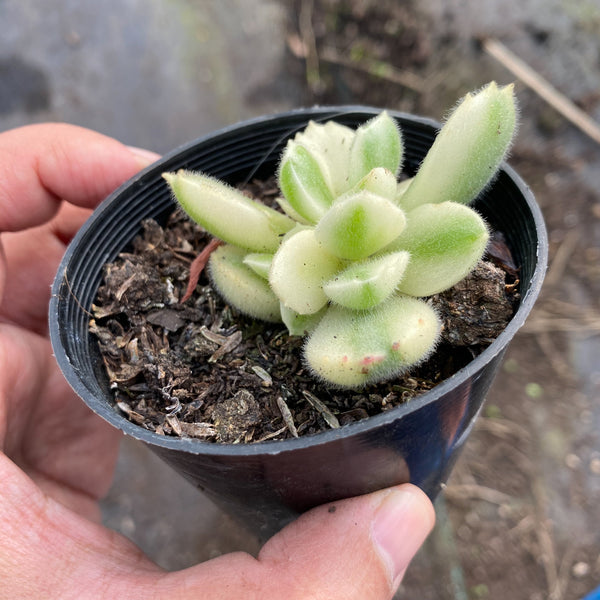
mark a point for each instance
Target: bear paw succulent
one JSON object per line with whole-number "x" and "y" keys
{"x": 353, "y": 254}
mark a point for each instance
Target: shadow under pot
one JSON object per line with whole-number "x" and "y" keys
{"x": 266, "y": 484}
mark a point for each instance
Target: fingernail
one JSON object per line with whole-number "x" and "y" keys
{"x": 401, "y": 524}
{"x": 143, "y": 156}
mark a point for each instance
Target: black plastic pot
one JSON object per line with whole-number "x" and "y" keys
{"x": 267, "y": 484}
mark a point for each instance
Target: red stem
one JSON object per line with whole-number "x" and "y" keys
{"x": 197, "y": 267}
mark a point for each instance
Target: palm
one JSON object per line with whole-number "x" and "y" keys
{"x": 47, "y": 188}
{"x": 66, "y": 449}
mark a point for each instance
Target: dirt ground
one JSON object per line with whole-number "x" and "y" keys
{"x": 519, "y": 518}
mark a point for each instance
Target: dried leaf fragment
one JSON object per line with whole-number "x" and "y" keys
{"x": 288, "y": 419}
{"x": 327, "y": 415}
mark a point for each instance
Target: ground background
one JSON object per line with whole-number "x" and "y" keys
{"x": 520, "y": 516}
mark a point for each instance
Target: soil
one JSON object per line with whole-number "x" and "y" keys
{"x": 197, "y": 368}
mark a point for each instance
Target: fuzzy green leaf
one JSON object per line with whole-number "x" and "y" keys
{"x": 303, "y": 183}
{"x": 259, "y": 262}
{"x": 360, "y": 225}
{"x": 379, "y": 181}
{"x": 298, "y": 271}
{"x": 401, "y": 189}
{"x": 445, "y": 242}
{"x": 468, "y": 150}
{"x": 227, "y": 214}
{"x": 300, "y": 324}
{"x": 286, "y": 207}
{"x": 330, "y": 144}
{"x": 363, "y": 285}
{"x": 241, "y": 286}
{"x": 377, "y": 143}
{"x": 353, "y": 348}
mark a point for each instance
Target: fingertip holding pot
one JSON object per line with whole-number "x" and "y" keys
{"x": 267, "y": 484}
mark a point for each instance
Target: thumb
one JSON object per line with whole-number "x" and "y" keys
{"x": 352, "y": 549}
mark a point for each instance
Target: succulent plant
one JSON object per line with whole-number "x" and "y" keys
{"x": 353, "y": 254}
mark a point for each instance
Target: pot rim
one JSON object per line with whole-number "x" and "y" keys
{"x": 274, "y": 447}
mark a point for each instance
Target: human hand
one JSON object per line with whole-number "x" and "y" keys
{"x": 58, "y": 458}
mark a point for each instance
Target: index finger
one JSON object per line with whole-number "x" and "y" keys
{"x": 40, "y": 165}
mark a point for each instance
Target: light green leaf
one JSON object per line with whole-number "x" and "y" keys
{"x": 445, "y": 242}
{"x": 286, "y": 207}
{"x": 330, "y": 144}
{"x": 259, "y": 262}
{"x": 303, "y": 183}
{"x": 298, "y": 271}
{"x": 467, "y": 151}
{"x": 379, "y": 181}
{"x": 363, "y": 285}
{"x": 226, "y": 213}
{"x": 300, "y": 324}
{"x": 353, "y": 348}
{"x": 401, "y": 190}
{"x": 360, "y": 225}
{"x": 377, "y": 143}
{"x": 240, "y": 286}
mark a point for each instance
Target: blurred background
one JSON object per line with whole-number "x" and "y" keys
{"x": 520, "y": 516}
